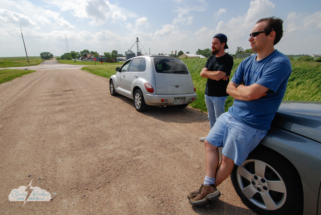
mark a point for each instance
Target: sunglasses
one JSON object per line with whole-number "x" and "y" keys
{"x": 254, "y": 34}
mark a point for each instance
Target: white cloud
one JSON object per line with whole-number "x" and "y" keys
{"x": 99, "y": 11}
{"x": 220, "y": 12}
{"x": 142, "y": 22}
{"x": 10, "y": 17}
{"x": 166, "y": 30}
{"x": 27, "y": 14}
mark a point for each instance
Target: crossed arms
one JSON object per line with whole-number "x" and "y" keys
{"x": 214, "y": 75}
{"x": 246, "y": 93}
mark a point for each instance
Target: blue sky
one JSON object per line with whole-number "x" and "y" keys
{"x": 161, "y": 25}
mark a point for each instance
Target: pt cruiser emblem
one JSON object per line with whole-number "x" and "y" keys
{"x": 177, "y": 86}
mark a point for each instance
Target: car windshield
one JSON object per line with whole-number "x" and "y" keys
{"x": 170, "y": 65}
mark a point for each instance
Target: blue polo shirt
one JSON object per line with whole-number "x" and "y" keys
{"x": 272, "y": 72}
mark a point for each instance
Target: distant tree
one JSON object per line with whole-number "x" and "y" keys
{"x": 114, "y": 53}
{"x": 66, "y": 56}
{"x": 96, "y": 55}
{"x": 318, "y": 59}
{"x": 46, "y": 55}
{"x": 239, "y": 50}
{"x": 187, "y": 52}
{"x": 107, "y": 54}
{"x": 73, "y": 54}
{"x": 180, "y": 53}
{"x": 249, "y": 51}
{"x": 205, "y": 52}
{"x": 84, "y": 53}
{"x": 120, "y": 55}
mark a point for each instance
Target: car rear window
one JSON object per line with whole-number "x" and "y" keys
{"x": 170, "y": 65}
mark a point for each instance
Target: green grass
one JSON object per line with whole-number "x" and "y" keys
{"x": 19, "y": 61}
{"x": 10, "y": 74}
{"x": 102, "y": 70}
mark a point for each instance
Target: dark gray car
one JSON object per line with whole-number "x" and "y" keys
{"x": 283, "y": 174}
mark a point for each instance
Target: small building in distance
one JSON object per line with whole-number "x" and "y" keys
{"x": 191, "y": 56}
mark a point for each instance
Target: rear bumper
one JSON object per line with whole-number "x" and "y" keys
{"x": 156, "y": 100}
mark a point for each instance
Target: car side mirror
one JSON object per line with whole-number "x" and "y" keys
{"x": 118, "y": 69}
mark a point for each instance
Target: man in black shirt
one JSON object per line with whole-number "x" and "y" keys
{"x": 217, "y": 71}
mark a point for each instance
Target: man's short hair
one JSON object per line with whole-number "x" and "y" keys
{"x": 273, "y": 24}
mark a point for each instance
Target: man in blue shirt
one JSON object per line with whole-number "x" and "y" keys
{"x": 258, "y": 87}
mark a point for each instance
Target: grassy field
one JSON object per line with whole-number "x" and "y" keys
{"x": 91, "y": 63}
{"x": 105, "y": 69}
{"x": 304, "y": 83}
{"x": 10, "y": 74}
{"x": 19, "y": 61}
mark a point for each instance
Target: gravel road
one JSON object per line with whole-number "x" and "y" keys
{"x": 95, "y": 153}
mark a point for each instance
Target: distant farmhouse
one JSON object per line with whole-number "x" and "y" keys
{"x": 191, "y": 56}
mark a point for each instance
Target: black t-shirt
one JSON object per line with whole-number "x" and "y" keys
{"x": 224, "y": 64}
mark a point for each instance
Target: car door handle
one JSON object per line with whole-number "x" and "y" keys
{"x": 136, "y": 76}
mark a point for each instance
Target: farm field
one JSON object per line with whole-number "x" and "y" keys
{"x": 19, "y": 61}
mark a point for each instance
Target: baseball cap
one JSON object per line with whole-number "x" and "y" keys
{"x": 222, "y": 38}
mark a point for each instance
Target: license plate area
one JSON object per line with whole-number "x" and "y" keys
{"x": 179, "y": 100}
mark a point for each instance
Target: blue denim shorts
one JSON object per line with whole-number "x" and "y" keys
{"x": 236, "y": 138}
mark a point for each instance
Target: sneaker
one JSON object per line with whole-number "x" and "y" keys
{"x": 202, "y": 139}
{"x": 207, "y": 194}
{"x": 194, "y": 193}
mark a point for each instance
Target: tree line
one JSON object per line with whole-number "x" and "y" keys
{"x": 85, "y": 53}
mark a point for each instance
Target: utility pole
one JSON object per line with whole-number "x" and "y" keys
{"x": 66, "y": 40}
{"x": 137, "y": 41}
{"x": 24, "y": 45}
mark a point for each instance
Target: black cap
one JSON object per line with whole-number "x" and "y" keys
{"x": 222, "y": 38}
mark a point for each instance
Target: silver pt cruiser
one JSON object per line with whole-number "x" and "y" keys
{"x": 154, "y": 81}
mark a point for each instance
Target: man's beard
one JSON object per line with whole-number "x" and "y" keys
{"x": 215, "y": 51}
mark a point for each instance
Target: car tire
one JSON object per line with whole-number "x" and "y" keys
{"x": 268, "y": 183}
{"x": 182, "y": 106}
{"x": 139, "y": 101}
{"x": 112, "y": 88}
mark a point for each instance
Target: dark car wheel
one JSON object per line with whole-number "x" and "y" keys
{"x": 112, "y": 88}
{"x": 268, "y": 183}
{"x": 139, "y": 101}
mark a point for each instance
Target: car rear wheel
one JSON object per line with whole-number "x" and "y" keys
{"x": 139, "y": 101}
{"x": 268, "y": 183}
{"x": 112, "y": 88}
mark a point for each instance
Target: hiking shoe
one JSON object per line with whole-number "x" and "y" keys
{"x": 208, "y": 194}
{"x": 202, "y": 139}
{"x": 194, "y": 193}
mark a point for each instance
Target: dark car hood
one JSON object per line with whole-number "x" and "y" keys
{"x": 303, "y": 118}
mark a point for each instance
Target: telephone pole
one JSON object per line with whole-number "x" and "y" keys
{"x": 24, "y": 44}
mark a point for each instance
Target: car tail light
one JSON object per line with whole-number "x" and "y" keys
{"x": 194, "y": 89}
{"x": 149, "y": 88}
{"x": 192, "y": 99}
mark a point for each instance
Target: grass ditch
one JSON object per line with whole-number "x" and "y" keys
{"x": 19, "y": 61}
{"x": 10, "y": 74}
